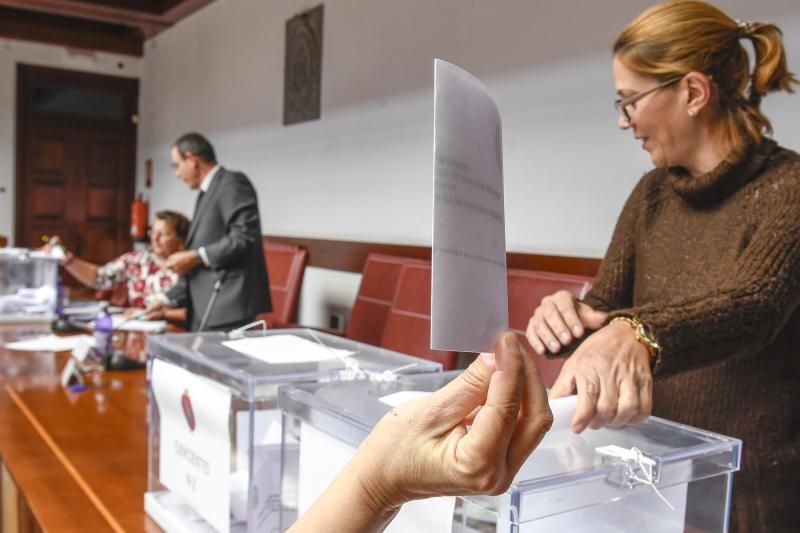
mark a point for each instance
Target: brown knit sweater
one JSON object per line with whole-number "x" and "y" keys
{"x": 712, "y": 265}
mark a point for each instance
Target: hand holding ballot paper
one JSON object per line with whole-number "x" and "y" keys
{"x": 424, "y": 448}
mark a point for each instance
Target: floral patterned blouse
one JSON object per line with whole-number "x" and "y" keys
{"x": 142, "y": 271}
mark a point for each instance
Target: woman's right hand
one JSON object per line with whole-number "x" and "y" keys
{"x": 51, "y": 241}
{"x": 560, "y": 319}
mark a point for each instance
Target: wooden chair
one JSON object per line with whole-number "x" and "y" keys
{"x": 286, "y": 264}
{"x": 408, "y": 326}
{"x": 374, "y": 299}
{"x": 526, "y": 288}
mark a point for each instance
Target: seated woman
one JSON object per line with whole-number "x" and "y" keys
{"x": 143, "y": 272}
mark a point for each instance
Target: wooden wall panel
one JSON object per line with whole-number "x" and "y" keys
{"x": 47, "y": 155}
{"x": 102, "y": 162}
{"x": 350, "y": 256}
{"x": 102, "y": 203}
{"x": 47, "y": 200}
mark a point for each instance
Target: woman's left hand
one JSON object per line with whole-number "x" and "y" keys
{"x": 610, "y": 372}
{"x": 422, "y": 448}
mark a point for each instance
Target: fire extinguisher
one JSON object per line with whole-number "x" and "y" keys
{"x": 139, "y": 218}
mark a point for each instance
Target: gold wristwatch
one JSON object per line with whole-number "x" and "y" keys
{"x": 644, "y": 335}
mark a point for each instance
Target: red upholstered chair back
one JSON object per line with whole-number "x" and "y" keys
{"x": 286, "y": 264}
{"x": 3, "y": 241}
{"x": 408, "y": 327}
{"x": 526, "y": 288}
{"x": 374, "y": 299}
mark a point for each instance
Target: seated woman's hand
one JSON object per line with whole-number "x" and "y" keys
{"x": 610, "y": 372}
{"x": 155, "y": 310}
{"x": 560, "y": 319}
{"x": 51, "y": 242}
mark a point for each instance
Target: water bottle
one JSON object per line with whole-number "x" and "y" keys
{"x": 59, "y": 299}
{"x": 103, "y": 332}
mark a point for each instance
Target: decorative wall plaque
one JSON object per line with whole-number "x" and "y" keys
{"x": 303, "y": 67}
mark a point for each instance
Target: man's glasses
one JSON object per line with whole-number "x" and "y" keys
{"x": 622, "y": 104}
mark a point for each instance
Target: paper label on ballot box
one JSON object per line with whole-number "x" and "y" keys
{"x": 194, "y": 444}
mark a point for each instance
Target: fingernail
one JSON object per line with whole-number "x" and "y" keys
{"x": 553, "y": 346}
{"x": 576, "y": 330}
{"x": 564, "y": 336}
{"x": 510, "y": 341}
{"x": 487, "y": 357}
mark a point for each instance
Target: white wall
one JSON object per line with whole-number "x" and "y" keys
{"x": 13, "y": 52}
{"x": 363, "y": 171}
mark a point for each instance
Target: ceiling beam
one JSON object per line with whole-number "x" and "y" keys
{"x": 71, "y": 32}
{"x": 150, "y": 24}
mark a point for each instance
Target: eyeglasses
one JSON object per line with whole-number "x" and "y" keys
{"x": 622, "y": 104}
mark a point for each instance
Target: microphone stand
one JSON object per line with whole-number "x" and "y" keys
{"x": 217, "y": 286}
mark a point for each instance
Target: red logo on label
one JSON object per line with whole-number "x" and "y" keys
{"x": 186, "y": 403}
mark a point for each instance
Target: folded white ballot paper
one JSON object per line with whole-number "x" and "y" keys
{"x": 285, "y": 349}
{"x": 50, "y": 343}
{"x": 469, "y": 292}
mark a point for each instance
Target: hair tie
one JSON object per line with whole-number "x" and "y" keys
{"x": 745, "y": 28}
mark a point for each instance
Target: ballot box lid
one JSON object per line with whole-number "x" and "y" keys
{"x": 255, "y": 363}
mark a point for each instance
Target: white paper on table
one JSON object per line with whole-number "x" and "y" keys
{"x": 194, "y": 442}
{"x": 285, "y": 349}
{"x": 50, "y": 343}
{"x": 84, "y": 309}
{"x": 120, "y": 323}
{"x": 469, "y": 290}
{"x": 322, "y": 457}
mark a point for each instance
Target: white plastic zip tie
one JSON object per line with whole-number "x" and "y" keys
{"x": 636, "y": 462}
{"x": 238, "y": 333}
{"x": 351, "y": 365}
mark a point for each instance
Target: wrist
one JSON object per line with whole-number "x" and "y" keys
{"x": 69, "y": 257}
{"x": 361, "y": 490}
{"x": 643, "y": 335}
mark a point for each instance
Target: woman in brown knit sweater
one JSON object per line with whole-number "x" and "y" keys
{"x": 704, "y": 263}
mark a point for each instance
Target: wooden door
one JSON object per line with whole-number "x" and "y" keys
{"x": 76, "y": 147}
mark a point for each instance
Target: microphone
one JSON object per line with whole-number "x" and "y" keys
{"x": 219, "y": 276}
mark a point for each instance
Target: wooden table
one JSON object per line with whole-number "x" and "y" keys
{"x": 72, "y": 461}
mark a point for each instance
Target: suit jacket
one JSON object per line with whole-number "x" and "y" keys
{"x": 226, "y": 222}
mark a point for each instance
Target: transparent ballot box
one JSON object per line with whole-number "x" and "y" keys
{"x": 28, "y": 282}
{"x": 214, "y": 450}
{"x": 658, "y": 476}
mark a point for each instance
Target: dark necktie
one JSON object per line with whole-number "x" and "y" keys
{"x": 197, "y": 203}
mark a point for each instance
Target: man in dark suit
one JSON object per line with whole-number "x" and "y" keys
{"x": 224, "y": 242}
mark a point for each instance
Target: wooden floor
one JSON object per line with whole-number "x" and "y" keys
{"x": 72, "y": 461}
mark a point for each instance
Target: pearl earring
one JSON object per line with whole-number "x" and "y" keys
{"x": 691, "y": 112}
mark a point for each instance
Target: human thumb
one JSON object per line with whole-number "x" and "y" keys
{"x": 591, "y": 318}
